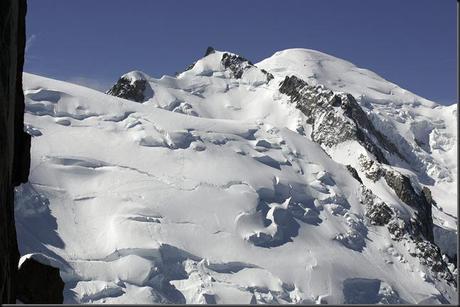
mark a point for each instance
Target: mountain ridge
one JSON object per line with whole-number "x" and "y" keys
{"x": 226, "y": 153}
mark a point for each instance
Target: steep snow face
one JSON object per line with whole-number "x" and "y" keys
{"x": 210, "y": 189}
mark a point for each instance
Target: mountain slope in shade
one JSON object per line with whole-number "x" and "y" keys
{"x": 238, "y": 183}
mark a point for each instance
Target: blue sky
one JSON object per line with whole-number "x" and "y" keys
{"x": 411, "y": 42}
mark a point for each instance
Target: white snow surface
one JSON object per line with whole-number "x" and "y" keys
{"x": 159, "y": 202}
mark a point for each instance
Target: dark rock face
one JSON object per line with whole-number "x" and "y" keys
{"x": 397, "y": 229}
{"x": 427, "y": 252}
{"x": 427, "y": 194}
{"x": 39, "y": 283}
{"x": 209, "y": 50}
{"x": 329, "y": 128}
{"x": 291, "y": 86}
{"x": 15, "y": 143}
{"x": 126, "y": 89}
{"x": 423, "y": 224}
{"x": 378, "y": 212}
{"x": 355, "y": 112}
{"x": 341, "y": 117}
{"x": 354, "y": 173}
{"x": 418, "y": 231}
{"x": 236, "y": 64}
{"x": 430, "y": 255}
{"x": 372, "y": 169}
{"x": 379, "y": 215}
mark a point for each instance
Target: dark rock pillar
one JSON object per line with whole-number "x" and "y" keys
{"x": 39, "y": 283}
{"x": 14, "y": 142}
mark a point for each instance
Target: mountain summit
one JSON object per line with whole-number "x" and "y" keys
{"x": 298, "y": 179}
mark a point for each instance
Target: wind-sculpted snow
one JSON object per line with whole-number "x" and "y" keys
{"x": 212, "y": 190}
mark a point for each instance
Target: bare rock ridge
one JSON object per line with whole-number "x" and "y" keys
{"x": 421, "y": 202}
{"x": 320, "y": 102}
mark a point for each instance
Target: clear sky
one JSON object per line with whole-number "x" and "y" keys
{"x": 412, "y": 43}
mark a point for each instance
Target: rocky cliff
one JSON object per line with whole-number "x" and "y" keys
{"x": 15, "y": 143}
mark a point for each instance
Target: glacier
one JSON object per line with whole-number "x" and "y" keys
{"x": 221, "y": 185}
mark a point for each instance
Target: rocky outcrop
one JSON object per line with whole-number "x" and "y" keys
{"x": 39, "y": 283}
{"x": 378, "y": 212}
{"x": 237, "y": 65}
{"x": 427, "y": 194}
{"x": 354, "y": 173}
{"x": 429, "y": 254}
{"x": 365, "y": 126}
{"x": 397, "y": 228}
{"x": 421, "y": 202}
{"x": 209, "y": 51}
{"x": 336, "y": 117}
{"x": 423, "y": 223}
{"x": 371, "y": 169}
{"x": 129, "y": 89}
{"x": 15, "y": 143}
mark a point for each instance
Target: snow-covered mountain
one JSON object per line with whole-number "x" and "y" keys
{"x": 300, "y": 179}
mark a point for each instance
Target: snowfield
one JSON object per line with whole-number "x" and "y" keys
{"x": 211, "y": 189}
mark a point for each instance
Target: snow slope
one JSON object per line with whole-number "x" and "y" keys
{"x": 208, "y": 193}
{"x": 428, "y": 130}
